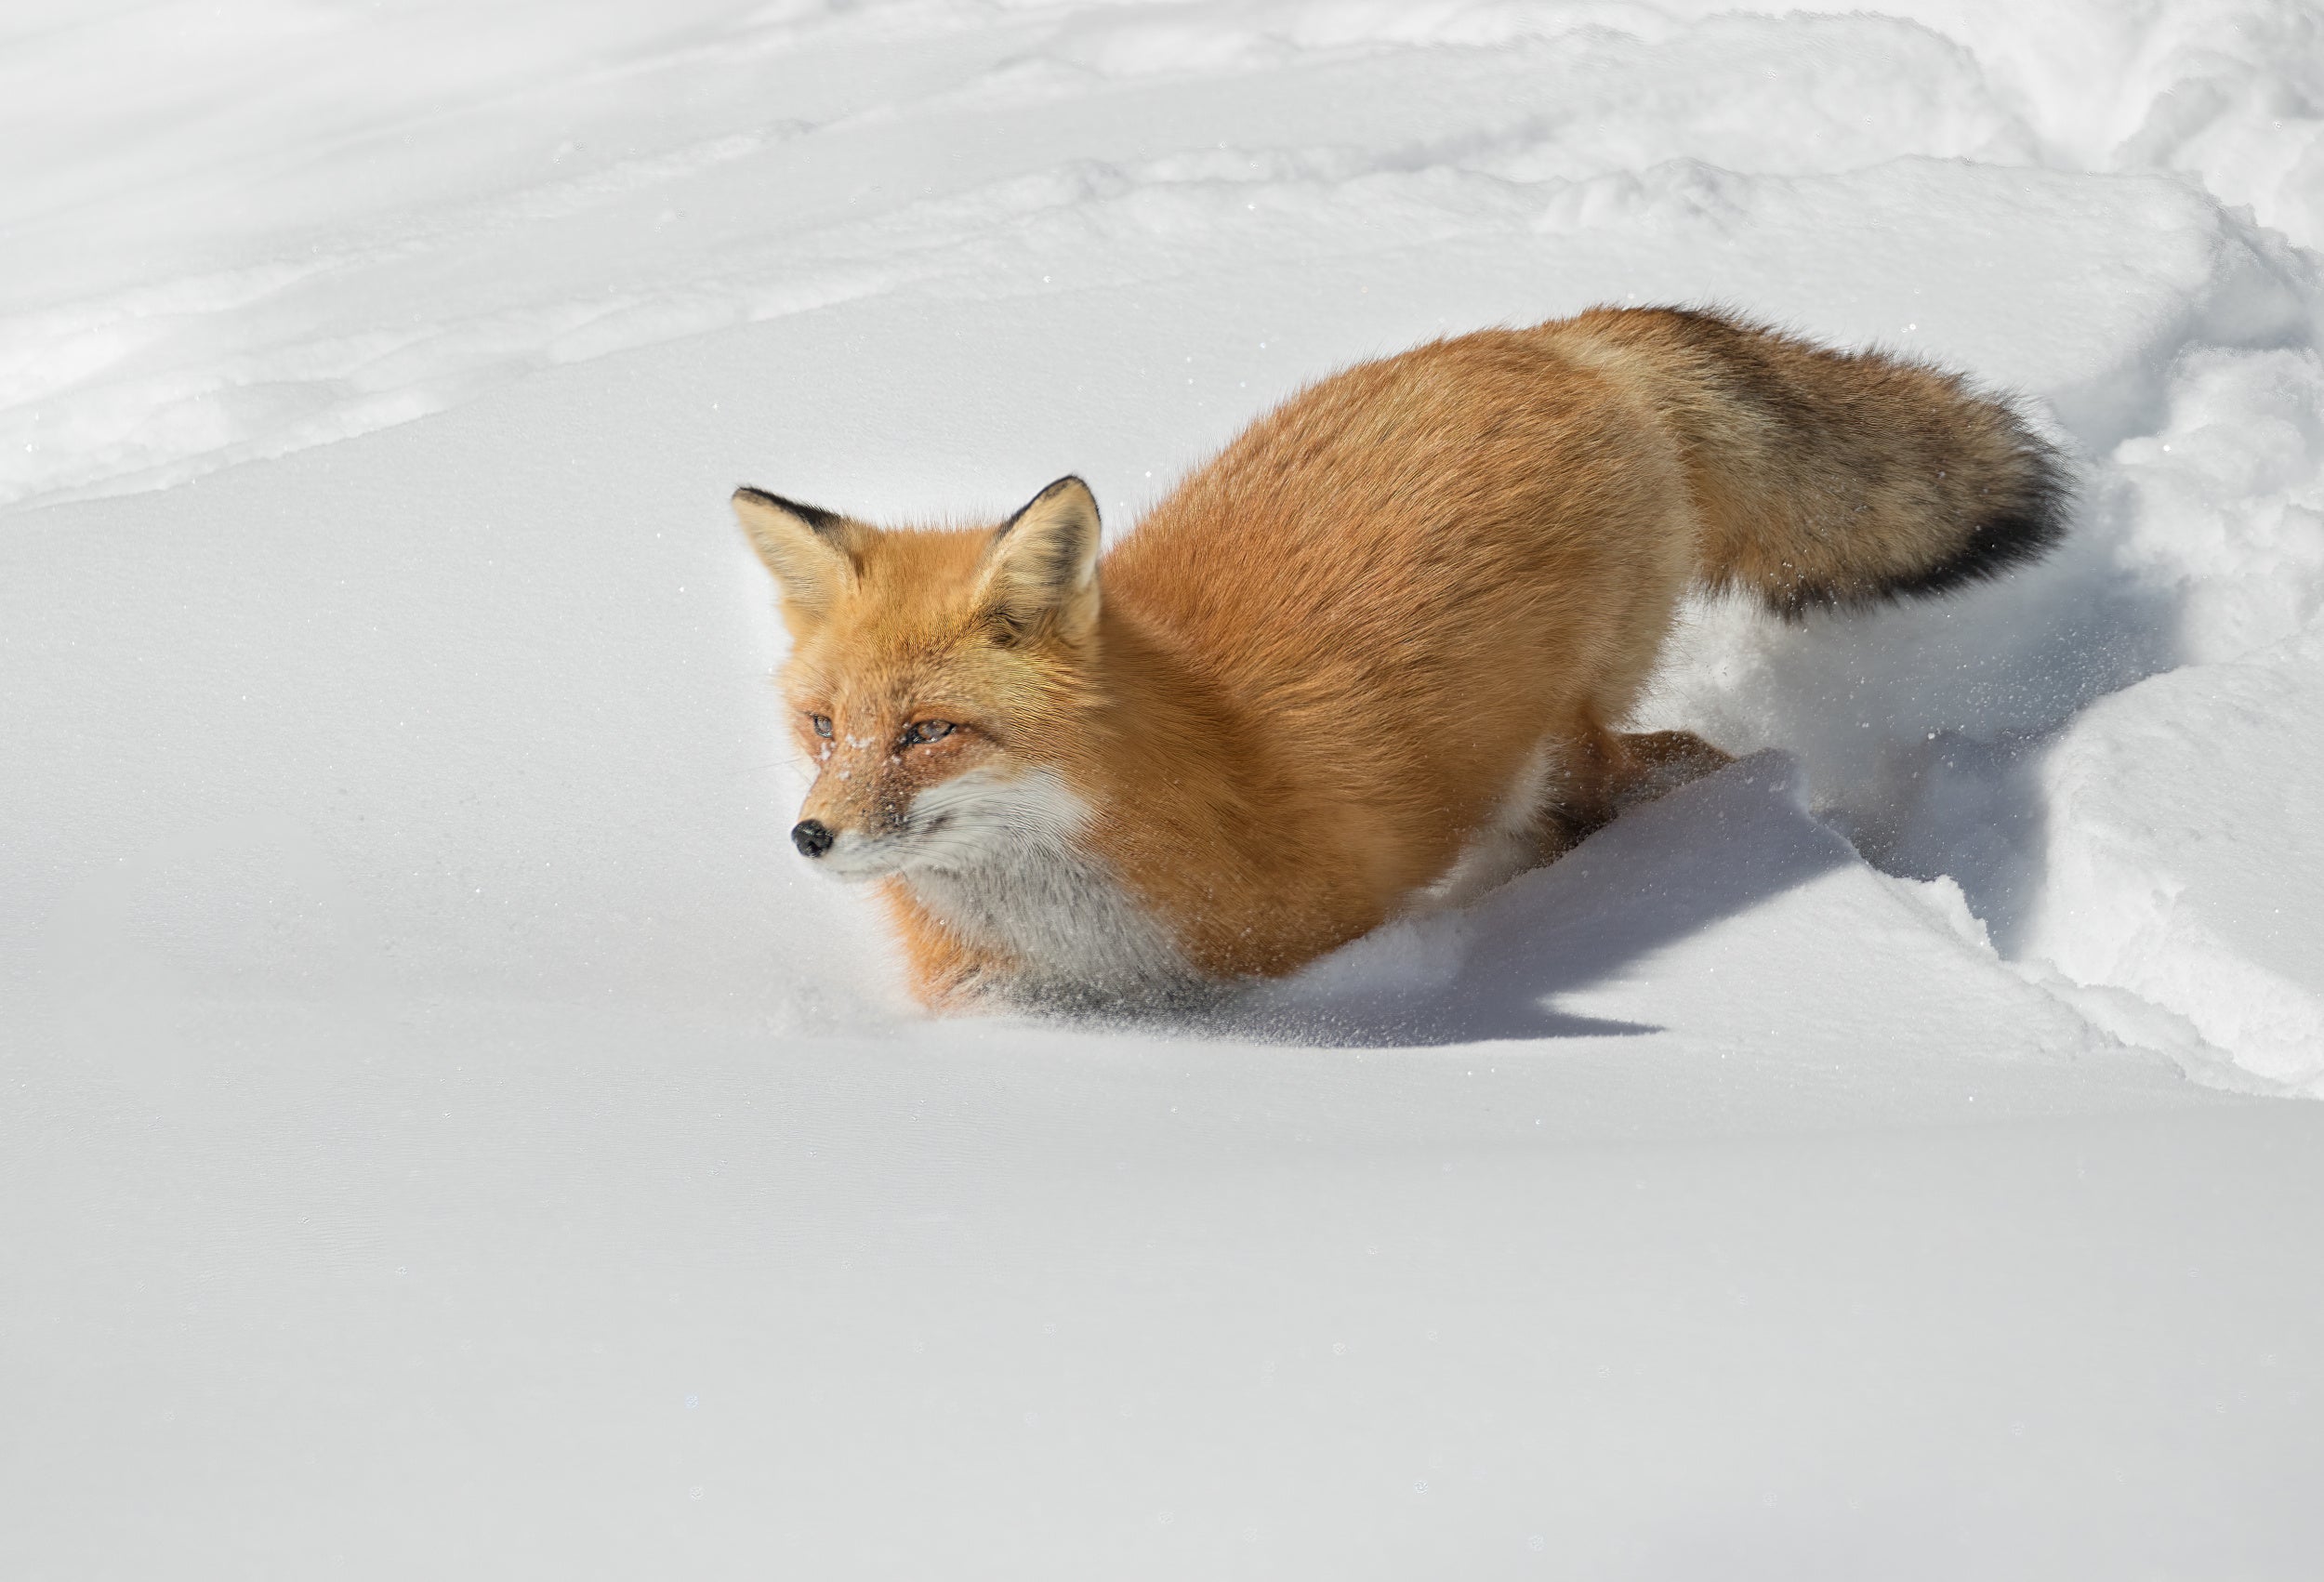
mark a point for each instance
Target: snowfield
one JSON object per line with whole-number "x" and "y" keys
{"x": 446, "y": 1133}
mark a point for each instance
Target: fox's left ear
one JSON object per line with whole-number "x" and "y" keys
{"x": 1041, "y": 571}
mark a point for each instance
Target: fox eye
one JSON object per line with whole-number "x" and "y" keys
{"x": 928, "y": 731}
{"x": 821, "y": 723}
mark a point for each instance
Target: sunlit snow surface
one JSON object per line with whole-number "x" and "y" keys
{"x": 445, "y": 1134}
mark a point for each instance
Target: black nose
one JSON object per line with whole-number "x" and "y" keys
{"x": 811, "y": 837}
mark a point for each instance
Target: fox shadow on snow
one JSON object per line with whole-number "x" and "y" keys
{"x": 1708, "y": 851}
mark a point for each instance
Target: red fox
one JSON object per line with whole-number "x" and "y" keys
{"x": 1373, "y": 659}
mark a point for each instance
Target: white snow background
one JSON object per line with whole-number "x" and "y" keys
{"x": 444, "y": 1133}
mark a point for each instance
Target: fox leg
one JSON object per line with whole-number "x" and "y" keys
{"x": 1644, "y": 764}
{"x": 1609, "y": 772}
{"x": 946, "y": 972}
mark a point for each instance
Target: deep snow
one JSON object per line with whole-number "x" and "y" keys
{"x": 450, "y": 1134}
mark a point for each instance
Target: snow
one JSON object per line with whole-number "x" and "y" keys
{"x": 449, "y": 1133}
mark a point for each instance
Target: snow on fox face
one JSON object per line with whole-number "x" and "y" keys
{"x": 893, "y": 787}
{"x": 928, "y": 670}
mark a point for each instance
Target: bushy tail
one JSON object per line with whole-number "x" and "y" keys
{"x": 1838, "y": 479}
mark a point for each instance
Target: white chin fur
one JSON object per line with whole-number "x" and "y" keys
{"x": 995, "y": 856}
{"x": 859, "y": 859}
{"x": 969, "y": 821}
{"x": 973, "y": 819}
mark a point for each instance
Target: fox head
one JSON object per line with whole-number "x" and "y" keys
{"x": 933, "y": 676}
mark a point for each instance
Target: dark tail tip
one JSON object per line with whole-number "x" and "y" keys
{"x": 2013, "y": 524}
{"x": 2015, "y": 531}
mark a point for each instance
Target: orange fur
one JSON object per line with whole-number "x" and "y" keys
{"x": 1400, "y": 619}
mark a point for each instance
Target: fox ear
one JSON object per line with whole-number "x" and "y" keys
{"x": 1041, "y": 571}
{"x": 810, "y": 552}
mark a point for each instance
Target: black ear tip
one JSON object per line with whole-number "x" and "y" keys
{"x": 813, "y": 516}
{"x": 1070, "y": 483}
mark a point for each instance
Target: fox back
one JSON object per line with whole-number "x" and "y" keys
{"x": 1373, "y": 658}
